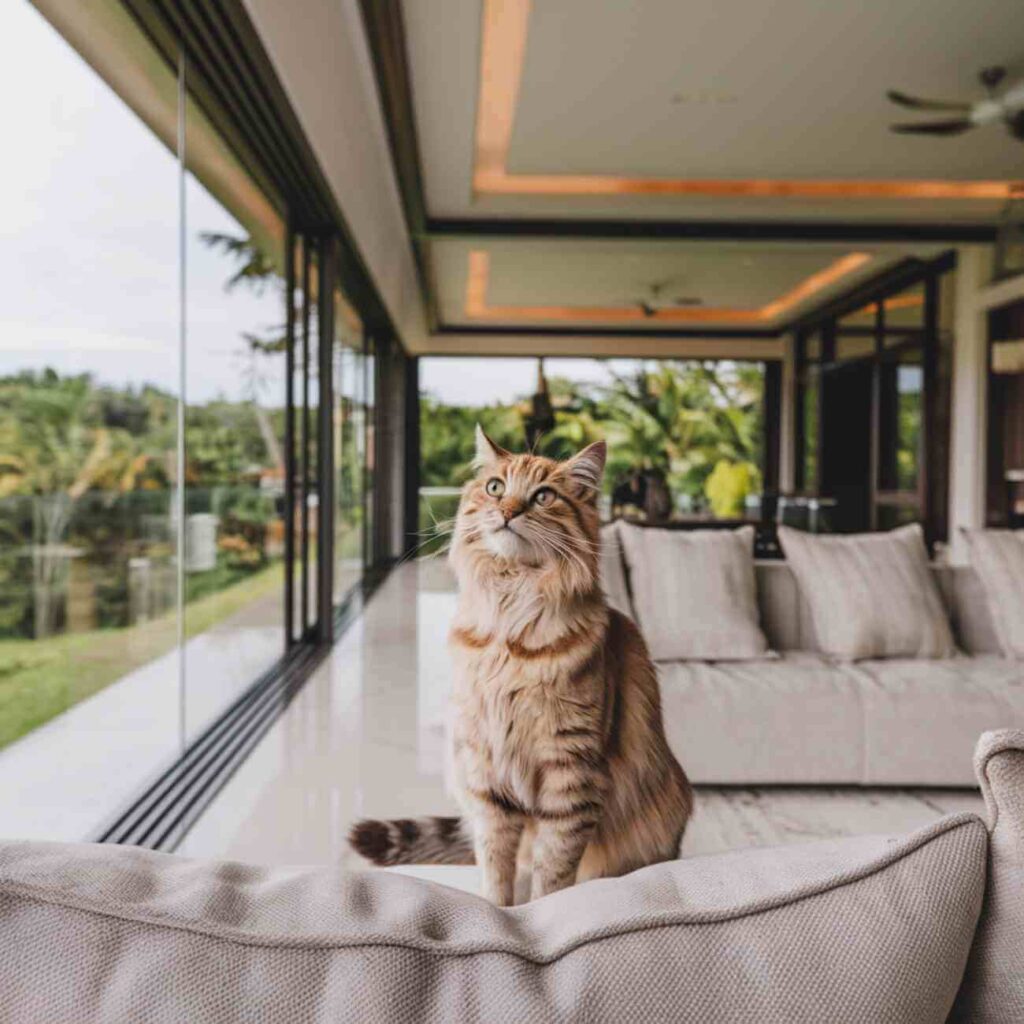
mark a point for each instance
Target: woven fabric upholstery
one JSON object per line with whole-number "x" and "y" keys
{"x": 998, "y": 558}
{"x": 865, "y": 929}
{"x": 993, "y": 988}
{"x": 694, "y": 592}
{"x": 871, "y": 595}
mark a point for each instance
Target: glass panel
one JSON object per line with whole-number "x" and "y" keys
{"x": 901, "y": 389}
{"x": 349, "y": 375}
{"x": 863, "y": 318}
{"x": 891, "y": 516}
{"x": 904, "y": 312}
{"x": 685, "y": 437}
{"x": 812, "y": 347}
{"x": 854, "y": 346}
{"x": 855, "y": 333}
{"x": 89, "y": 699}
{"x": 234, "y": 431}
{"x": 310, "y": 425}
{"x": 370, "y": 456}
{"x": 809, "y": 396}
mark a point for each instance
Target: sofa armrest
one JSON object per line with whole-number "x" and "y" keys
{"x": 999, "y": 765}
{"x": 993, "y": 987}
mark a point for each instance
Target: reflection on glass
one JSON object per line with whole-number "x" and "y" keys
{"x": 234, "y": 451}
{"x": 812, "y": 347}
{"x": 305, "y": 436}
{"x": 349, "y": 445}
{"x": 904, "y": 312}
{"x": 854, "y": 346}
{"x": 369, "y": 455}
{"x": 88, "y": 413}
{"x": 891, "y": 516}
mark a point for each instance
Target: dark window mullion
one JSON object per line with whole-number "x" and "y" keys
{"x": 289, "y": 439}
{"x": 304, "y": 440}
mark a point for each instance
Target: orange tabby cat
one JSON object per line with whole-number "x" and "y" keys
{"x": 559, "y": 757}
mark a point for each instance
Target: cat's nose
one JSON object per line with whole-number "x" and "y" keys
{"x": 510, "y": 510}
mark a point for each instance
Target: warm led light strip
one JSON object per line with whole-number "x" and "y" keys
{"x": 893, "y": 303}
{"x": 503, "y": 48}
{"x": 477, "y": 308}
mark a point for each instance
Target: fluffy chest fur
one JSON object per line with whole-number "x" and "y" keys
{"x": 520, "y": 694}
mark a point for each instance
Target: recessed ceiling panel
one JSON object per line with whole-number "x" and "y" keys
{"x": 757, "y": 111}
{"x": 642, "y": 285}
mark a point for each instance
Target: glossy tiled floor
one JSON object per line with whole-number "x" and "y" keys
{"x": 365, "y": 737}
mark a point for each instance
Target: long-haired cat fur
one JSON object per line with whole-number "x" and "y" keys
{"x": 559, "y": 758}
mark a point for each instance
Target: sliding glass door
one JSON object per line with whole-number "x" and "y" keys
{"x": 187, "y": 431}
{"x": 872, "y": 405}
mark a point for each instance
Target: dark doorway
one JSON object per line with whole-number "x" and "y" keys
{"x": 846, "y": 443}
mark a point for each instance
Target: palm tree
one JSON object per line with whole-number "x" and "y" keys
{"x": 681, "y": 419}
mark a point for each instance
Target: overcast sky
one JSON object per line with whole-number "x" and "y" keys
{"x": 88, "y": 245}
{"x": 475, "y": 381}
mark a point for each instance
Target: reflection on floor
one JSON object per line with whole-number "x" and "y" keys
{"x": 365, "y": 737}
{"x": 69, "y": 777}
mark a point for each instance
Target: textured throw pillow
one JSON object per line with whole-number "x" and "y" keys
{"x": 846, "y": 931}
{"x": 871, "y": 595}
{"x": 695, "y": 593}
{"x": 613, "y": 573}
{"x": 998, "y": 559}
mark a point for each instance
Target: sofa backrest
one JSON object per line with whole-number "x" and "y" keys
{"x": 864, "y": 928}
{"x": 787, "y": 621}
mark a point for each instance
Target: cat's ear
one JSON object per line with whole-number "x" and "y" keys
{"x": 587, "y": 467}
{"x": 486, "y": 450}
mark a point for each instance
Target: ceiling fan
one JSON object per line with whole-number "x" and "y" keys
{"x": 1007, "y": 107}
{"x": 655, "y": 300}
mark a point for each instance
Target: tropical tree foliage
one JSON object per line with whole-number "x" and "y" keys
{"x": 680, "y": 418}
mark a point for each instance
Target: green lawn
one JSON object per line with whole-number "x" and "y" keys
{"x": 41, "y": 678}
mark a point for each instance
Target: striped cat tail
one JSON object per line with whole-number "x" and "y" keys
{"x": 412, "y": 841}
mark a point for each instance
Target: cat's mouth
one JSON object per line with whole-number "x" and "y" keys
{"x": 507, "y": 542}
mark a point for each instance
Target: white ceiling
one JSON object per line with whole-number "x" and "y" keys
{"x": 720, "y": 89}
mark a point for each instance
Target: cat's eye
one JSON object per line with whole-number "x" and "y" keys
{"x": 495, "y": 487}
{"x": 544, "y": 497}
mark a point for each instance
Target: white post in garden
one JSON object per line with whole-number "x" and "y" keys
{"x": 200, "y": 542}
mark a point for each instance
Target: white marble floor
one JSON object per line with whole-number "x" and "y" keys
{"x": 364, "y": 737}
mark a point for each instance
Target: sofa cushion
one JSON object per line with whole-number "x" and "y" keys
{"x": 998, "y": 558}
{"x": 694, "y": 592}
{"x": 922, "y": 718}
{"x": 851, "y": 930}
{"x": 613, "y": 571}
{"x": 871, "y": 595}
{"x": 795, "y": 719}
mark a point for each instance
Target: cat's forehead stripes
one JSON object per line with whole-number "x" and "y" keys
{"x": 529, "y": 470}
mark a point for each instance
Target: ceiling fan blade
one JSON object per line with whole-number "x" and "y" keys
{"x": 956, "y": 127}
{"x": 916, "y": 103}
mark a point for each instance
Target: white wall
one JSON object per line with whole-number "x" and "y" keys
{"x": 969, "y": 419}
{"x": 319, "y": 51}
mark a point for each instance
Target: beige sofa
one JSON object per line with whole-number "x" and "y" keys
{"x": 802, "y": 717}
{"x": 921, "y": 929}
